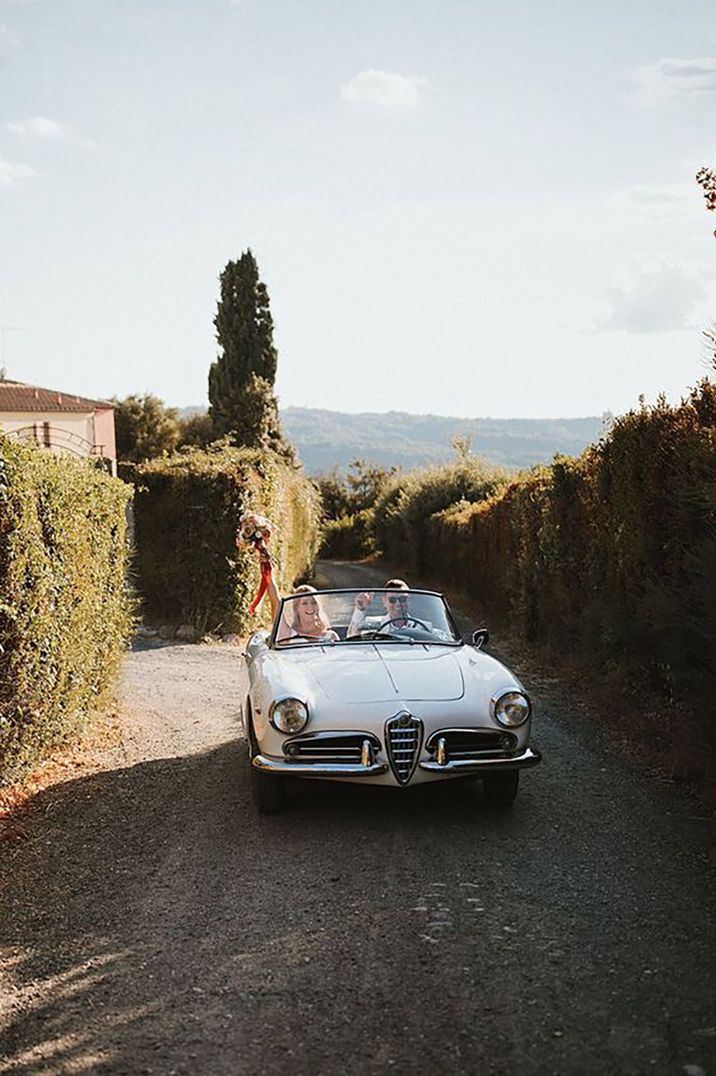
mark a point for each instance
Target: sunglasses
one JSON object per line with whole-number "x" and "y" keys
{"x": 401, "y": 601}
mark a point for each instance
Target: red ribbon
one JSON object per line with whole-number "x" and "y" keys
{"x": 265, "y": 580}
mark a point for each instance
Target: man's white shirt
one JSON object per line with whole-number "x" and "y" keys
{"x": 360, "y": 621}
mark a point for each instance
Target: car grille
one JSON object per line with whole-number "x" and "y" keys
{"x": 403, "y": 736}
{"x": 462, "y": 744}
{"x": 333, "y": 747}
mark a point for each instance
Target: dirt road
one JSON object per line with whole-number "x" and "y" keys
{"x": 153, "y": 923}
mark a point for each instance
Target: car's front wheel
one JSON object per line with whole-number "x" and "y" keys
{"x": 268, "y": 791}
{"x": 501, "y": 788}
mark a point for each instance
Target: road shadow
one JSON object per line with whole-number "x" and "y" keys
{"x": 152, "y": 919}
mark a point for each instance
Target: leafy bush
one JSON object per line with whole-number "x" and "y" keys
{"x": 187, "y": 508}
{"x": 347, "y": 500}
{"x": 610, "y": 557}
{"x": 64, "y": 610}
{"x": 355, "y": 490}
{"x": 144, "y": 427}
{"x": 408, "y": 501}
{"x": 350, "y": 536}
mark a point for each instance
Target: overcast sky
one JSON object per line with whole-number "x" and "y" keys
{"x": 459, "y": 207}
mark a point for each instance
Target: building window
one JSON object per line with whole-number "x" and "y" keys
{"x": 46, "y": 439}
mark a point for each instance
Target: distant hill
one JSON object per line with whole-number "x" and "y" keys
{"x": 326, "y": 439}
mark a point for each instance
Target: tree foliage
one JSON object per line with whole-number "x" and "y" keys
{"x": 408, "y": 500}
{"x": 706, "y": 178}
{"x": 241, "y": 381}
{"x": 196, "y": 430}
{"x": 710, "y": 338}
{"x": 348, "y": 499}
{"x": 355, "y": 490}
{"x": 144, "y": 427}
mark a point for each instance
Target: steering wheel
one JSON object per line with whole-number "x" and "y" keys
{"x": 406, "y": 622}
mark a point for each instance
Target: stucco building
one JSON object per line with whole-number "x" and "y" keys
{"x": 58, "y": 421}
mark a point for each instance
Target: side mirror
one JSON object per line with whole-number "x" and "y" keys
{"x": 480, "y": 638}
{"x": 256, "y": 644}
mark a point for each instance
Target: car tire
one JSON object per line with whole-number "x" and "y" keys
{"x": 500, "y": 789}
{"x": 268, "y": 791}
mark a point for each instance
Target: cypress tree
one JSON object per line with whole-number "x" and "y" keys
{"x": 241, "y": 381}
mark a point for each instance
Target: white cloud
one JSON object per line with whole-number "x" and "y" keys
{"x": 667, "y": 202}
{"x": 38, "y": 127}
{"x": 658, "y": 299}
{"x": 8, "y": 42}
{"x": 11, "y": 173}
{"x": 673, "y": 78}
{"x": 384, "y": 88}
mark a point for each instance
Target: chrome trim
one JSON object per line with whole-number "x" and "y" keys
{"x": 317, "y": 769}
{"x": 366, "y": 753}
{"x": 484, "y": 749}
{"x": 403, "y": 719}
{"x": 285, "y": 698}
{"x": 510, "y": 691}
{"x": 318, "y": 738}
{"x": 441, "y": 752}
{"x": 466, "y": 730}
{"x": 529, "y": 757}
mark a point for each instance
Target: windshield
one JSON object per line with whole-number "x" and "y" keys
{"x": 353, "y": 616}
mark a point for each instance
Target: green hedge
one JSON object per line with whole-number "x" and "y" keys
{"x": 186, "y": 511}
{"x": 408, "y": 500}
{"x": 350, "y": 536}
{"x": 64, "y": 611}
{"x": 610, "y": 557}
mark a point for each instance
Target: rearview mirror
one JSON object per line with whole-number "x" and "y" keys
{"x": 480, "y": 638}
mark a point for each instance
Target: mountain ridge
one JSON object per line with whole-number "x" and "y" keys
{"x": 326, "y": 439}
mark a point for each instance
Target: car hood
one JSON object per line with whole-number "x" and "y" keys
{"x": 387, "y": 674}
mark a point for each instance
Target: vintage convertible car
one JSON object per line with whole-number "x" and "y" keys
{"x": 380, "y": 688}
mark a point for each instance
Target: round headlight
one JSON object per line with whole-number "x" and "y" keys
{"x": 289, "y": 715}
{"x": 511, "y": 709}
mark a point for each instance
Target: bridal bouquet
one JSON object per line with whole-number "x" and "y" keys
{"x": 256, "y": 531}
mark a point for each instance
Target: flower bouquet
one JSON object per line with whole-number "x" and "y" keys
{"x": 256, "y": 531}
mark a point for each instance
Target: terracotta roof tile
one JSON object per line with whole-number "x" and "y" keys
{"x": 15, "y": 396}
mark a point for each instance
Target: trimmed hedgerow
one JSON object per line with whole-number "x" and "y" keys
{"x": 186, "y": 511}
{"x": 409, "y": 499}
{"x": 64, "y": 611}
{"x": 611, "y": 557}
{"x": 349, "y": 536}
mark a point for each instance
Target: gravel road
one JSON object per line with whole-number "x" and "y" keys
{"x": 153, "y": 923}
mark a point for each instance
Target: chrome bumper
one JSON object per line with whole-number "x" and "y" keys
{"x": 318, "y": 769}
{"x": 529, "y": 757}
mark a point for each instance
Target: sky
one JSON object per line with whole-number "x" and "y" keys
{"x": 459, "y": 207}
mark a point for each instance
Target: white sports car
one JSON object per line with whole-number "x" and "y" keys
{"x": 379, "y": 687}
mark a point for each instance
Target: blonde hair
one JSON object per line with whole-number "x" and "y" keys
{"x": 295, "y": 613}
